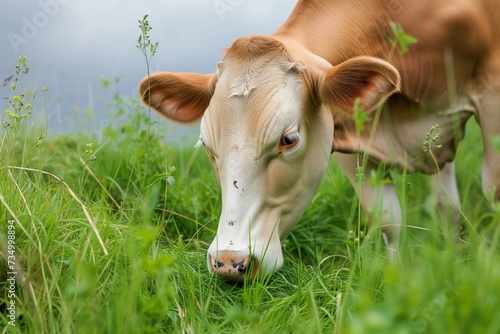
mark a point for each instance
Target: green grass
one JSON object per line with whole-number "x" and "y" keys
{"x": 149, "y": 273}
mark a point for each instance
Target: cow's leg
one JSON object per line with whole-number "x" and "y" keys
{"x": 445, "y": 191}
{"x": 381, "y": 203}
{"x": 488, "y": 117}
{"x": 491, "y": 158}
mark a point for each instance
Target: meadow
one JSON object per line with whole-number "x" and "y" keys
{"x": 108, "y": 234}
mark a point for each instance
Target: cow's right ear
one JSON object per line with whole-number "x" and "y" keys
{"x": 181, "y": 97}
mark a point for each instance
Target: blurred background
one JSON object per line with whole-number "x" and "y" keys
{"x": 75, "y": 47}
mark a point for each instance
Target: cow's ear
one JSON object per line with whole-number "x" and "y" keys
{"x": 370, "y": 79}
{"x": 181, "y": 97}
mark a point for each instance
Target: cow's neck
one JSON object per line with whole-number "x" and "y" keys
{"x": 337, "y": 30}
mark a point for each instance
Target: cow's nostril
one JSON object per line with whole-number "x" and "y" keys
{"x": 241, "y": 266}
{"x": 233, "y": 266}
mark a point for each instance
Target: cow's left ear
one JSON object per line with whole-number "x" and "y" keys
{"x": 370, "y": 79}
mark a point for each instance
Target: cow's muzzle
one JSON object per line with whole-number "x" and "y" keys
{"x": 233, "y": 266}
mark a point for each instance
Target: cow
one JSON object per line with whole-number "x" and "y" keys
{"x": 277, "y": 107}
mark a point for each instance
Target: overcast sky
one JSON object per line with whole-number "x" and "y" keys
{"x": 70, "y": 44}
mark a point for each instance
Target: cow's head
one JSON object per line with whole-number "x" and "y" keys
{"x": 267, "y": 121}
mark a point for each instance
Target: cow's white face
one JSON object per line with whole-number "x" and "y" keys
{"x": 269, "y": 152}
{"x": 267, "y": 125}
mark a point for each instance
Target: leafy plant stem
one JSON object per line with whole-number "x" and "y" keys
{"x": 428, "y": 147}
{"x": 148, "y": 49}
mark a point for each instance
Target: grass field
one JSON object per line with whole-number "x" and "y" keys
{"x": 109, "y": 234}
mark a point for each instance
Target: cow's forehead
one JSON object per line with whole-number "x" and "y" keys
{"x": 259, "y": 94}
{"x": 253, "y": 110}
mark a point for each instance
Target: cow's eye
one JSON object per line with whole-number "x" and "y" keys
{"x": 289, "y": 141}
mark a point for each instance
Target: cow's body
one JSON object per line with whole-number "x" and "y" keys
{"x": 279, "y": 105}
{"x": 455, "y": 41}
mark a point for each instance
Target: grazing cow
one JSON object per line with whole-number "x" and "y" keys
{"x": 278, "y": 106}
